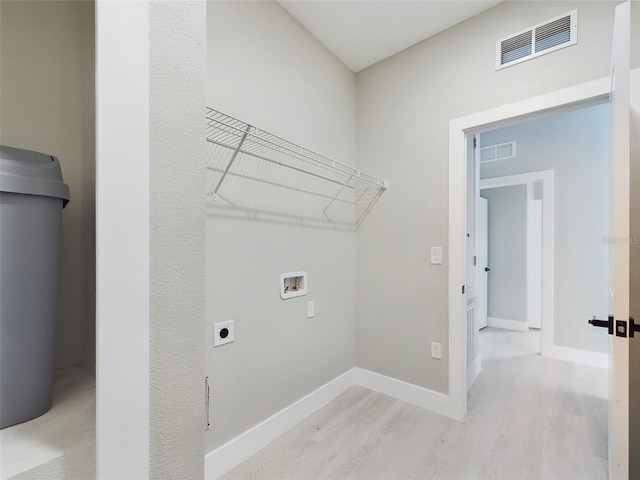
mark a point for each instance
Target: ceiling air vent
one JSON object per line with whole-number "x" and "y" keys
{"x": 532, "y": 42}
{"x": 501, "y": 151}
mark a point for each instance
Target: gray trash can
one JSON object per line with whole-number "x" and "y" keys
{"x": 32, "y": 196}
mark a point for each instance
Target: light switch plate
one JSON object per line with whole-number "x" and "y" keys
{"x": 436, "y": 255}
{"x": 311, "y": 309}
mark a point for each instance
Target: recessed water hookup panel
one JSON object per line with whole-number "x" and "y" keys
{"x": 293, "y": 284}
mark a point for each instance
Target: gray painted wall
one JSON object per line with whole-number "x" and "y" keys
{"x": 405, "y": 104}
{"x": 266, "y": 69}
{"x": 47, "y": 98}
{"x": 507, "y": 297}
{"x": 575, "y": 145}
{"x": 177, "y": 59}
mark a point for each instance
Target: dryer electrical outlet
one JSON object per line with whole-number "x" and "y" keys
{"x": 223, "y": 333}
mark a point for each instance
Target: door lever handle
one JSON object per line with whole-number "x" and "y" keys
{"x": 604, "y": 323}
{"x": 633, "y": 327}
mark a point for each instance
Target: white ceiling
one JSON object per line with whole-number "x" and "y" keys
{"x": 363, "y": 32}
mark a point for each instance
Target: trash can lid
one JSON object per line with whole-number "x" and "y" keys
{"x": 31, "y": 173}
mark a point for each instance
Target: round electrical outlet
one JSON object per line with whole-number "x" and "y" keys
{"x": 224, "y": 332}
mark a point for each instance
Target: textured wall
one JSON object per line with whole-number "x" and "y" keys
{"x": 265, "y": 68}
{"x": 177, "y": 238}
{"x": 405, "y": 104}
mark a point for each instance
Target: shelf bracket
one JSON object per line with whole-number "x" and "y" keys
{"x": 233, "y": 157}
{"x": 344, "y": 185}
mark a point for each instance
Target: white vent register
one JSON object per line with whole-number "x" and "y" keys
{"x": 500, "y": 151}
{"x": 543, "y": 38}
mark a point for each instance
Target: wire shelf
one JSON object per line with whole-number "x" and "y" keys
{"x": 255, "y": 171}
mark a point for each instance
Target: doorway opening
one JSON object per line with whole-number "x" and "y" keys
{"x": 580, "y": 96}
{"x": 548, "y": 215}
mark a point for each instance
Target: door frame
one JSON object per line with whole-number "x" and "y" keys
{"x": 583, "y": 94}
{"x": 535, "y": 230}
{"x": 483, "y": 258}
{"x": 546, "y": 177}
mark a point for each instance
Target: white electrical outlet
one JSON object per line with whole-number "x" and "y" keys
{"x": 223, "y": 333}
{"x": 436, "y": 350}
{"x": 436, "y": 255}
{"x": 311, "y": 309}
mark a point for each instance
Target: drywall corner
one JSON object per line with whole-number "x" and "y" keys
{"x": 177, "y": 39}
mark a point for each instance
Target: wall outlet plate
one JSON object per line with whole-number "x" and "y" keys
{"x": 436, "y": 350}
{"x": 223, "y": 333}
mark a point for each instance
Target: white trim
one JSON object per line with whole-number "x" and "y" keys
{"x": 489, "y": 119}
{"x": 235, "y": 451}
{"x": 473, "y": 370}
{"x": 586, "y": 357}
{"x": 507, "y": 324}
{"x": 457, "y": 270}
{"x": 122, "y": 239}
{"x": 620, "y": 251}
{"x": 534, "y": 258}
{"x": 406, "y": 392}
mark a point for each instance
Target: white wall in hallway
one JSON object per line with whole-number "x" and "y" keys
{"x": 575, "y": 145}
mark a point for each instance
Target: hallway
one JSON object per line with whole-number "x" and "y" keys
{"x": 529, "y": 417}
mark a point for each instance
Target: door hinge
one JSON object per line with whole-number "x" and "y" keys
{"x": 475, "y": 260}
{"x": 463, "y": 289}
{"x": 475, "y": 142}
{"x": 207, "y": 399}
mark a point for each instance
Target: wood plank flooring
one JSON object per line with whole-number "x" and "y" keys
{"x": 62, "y": 438}
{"x": 529, "y": 417}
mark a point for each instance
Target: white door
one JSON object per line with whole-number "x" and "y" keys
{"x": 534, "y": 259}
{"x": 619, "y": 278}
{"x": 483, "y": 262}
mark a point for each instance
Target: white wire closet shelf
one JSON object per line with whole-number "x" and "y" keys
{"x": 253, "y": 171}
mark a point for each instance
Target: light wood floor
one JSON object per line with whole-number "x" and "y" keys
{"x": 529, "y": 418}
{"x": 59, "y": 444}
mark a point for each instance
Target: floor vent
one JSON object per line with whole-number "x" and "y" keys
{"x": 540, "y": 39}
{"x": 501, "y": 151}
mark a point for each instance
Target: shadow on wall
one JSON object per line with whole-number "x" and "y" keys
{"x": 254, "y": 175}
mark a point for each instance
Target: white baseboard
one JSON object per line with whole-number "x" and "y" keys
{"x": 507, "y": 324}
{"x": 569, "y": 354}
{"x": 406, "y": 392}
{"x": 232, "y": 453}
{"x": 473, "y": 370}
{"x": 235, "y": 451}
